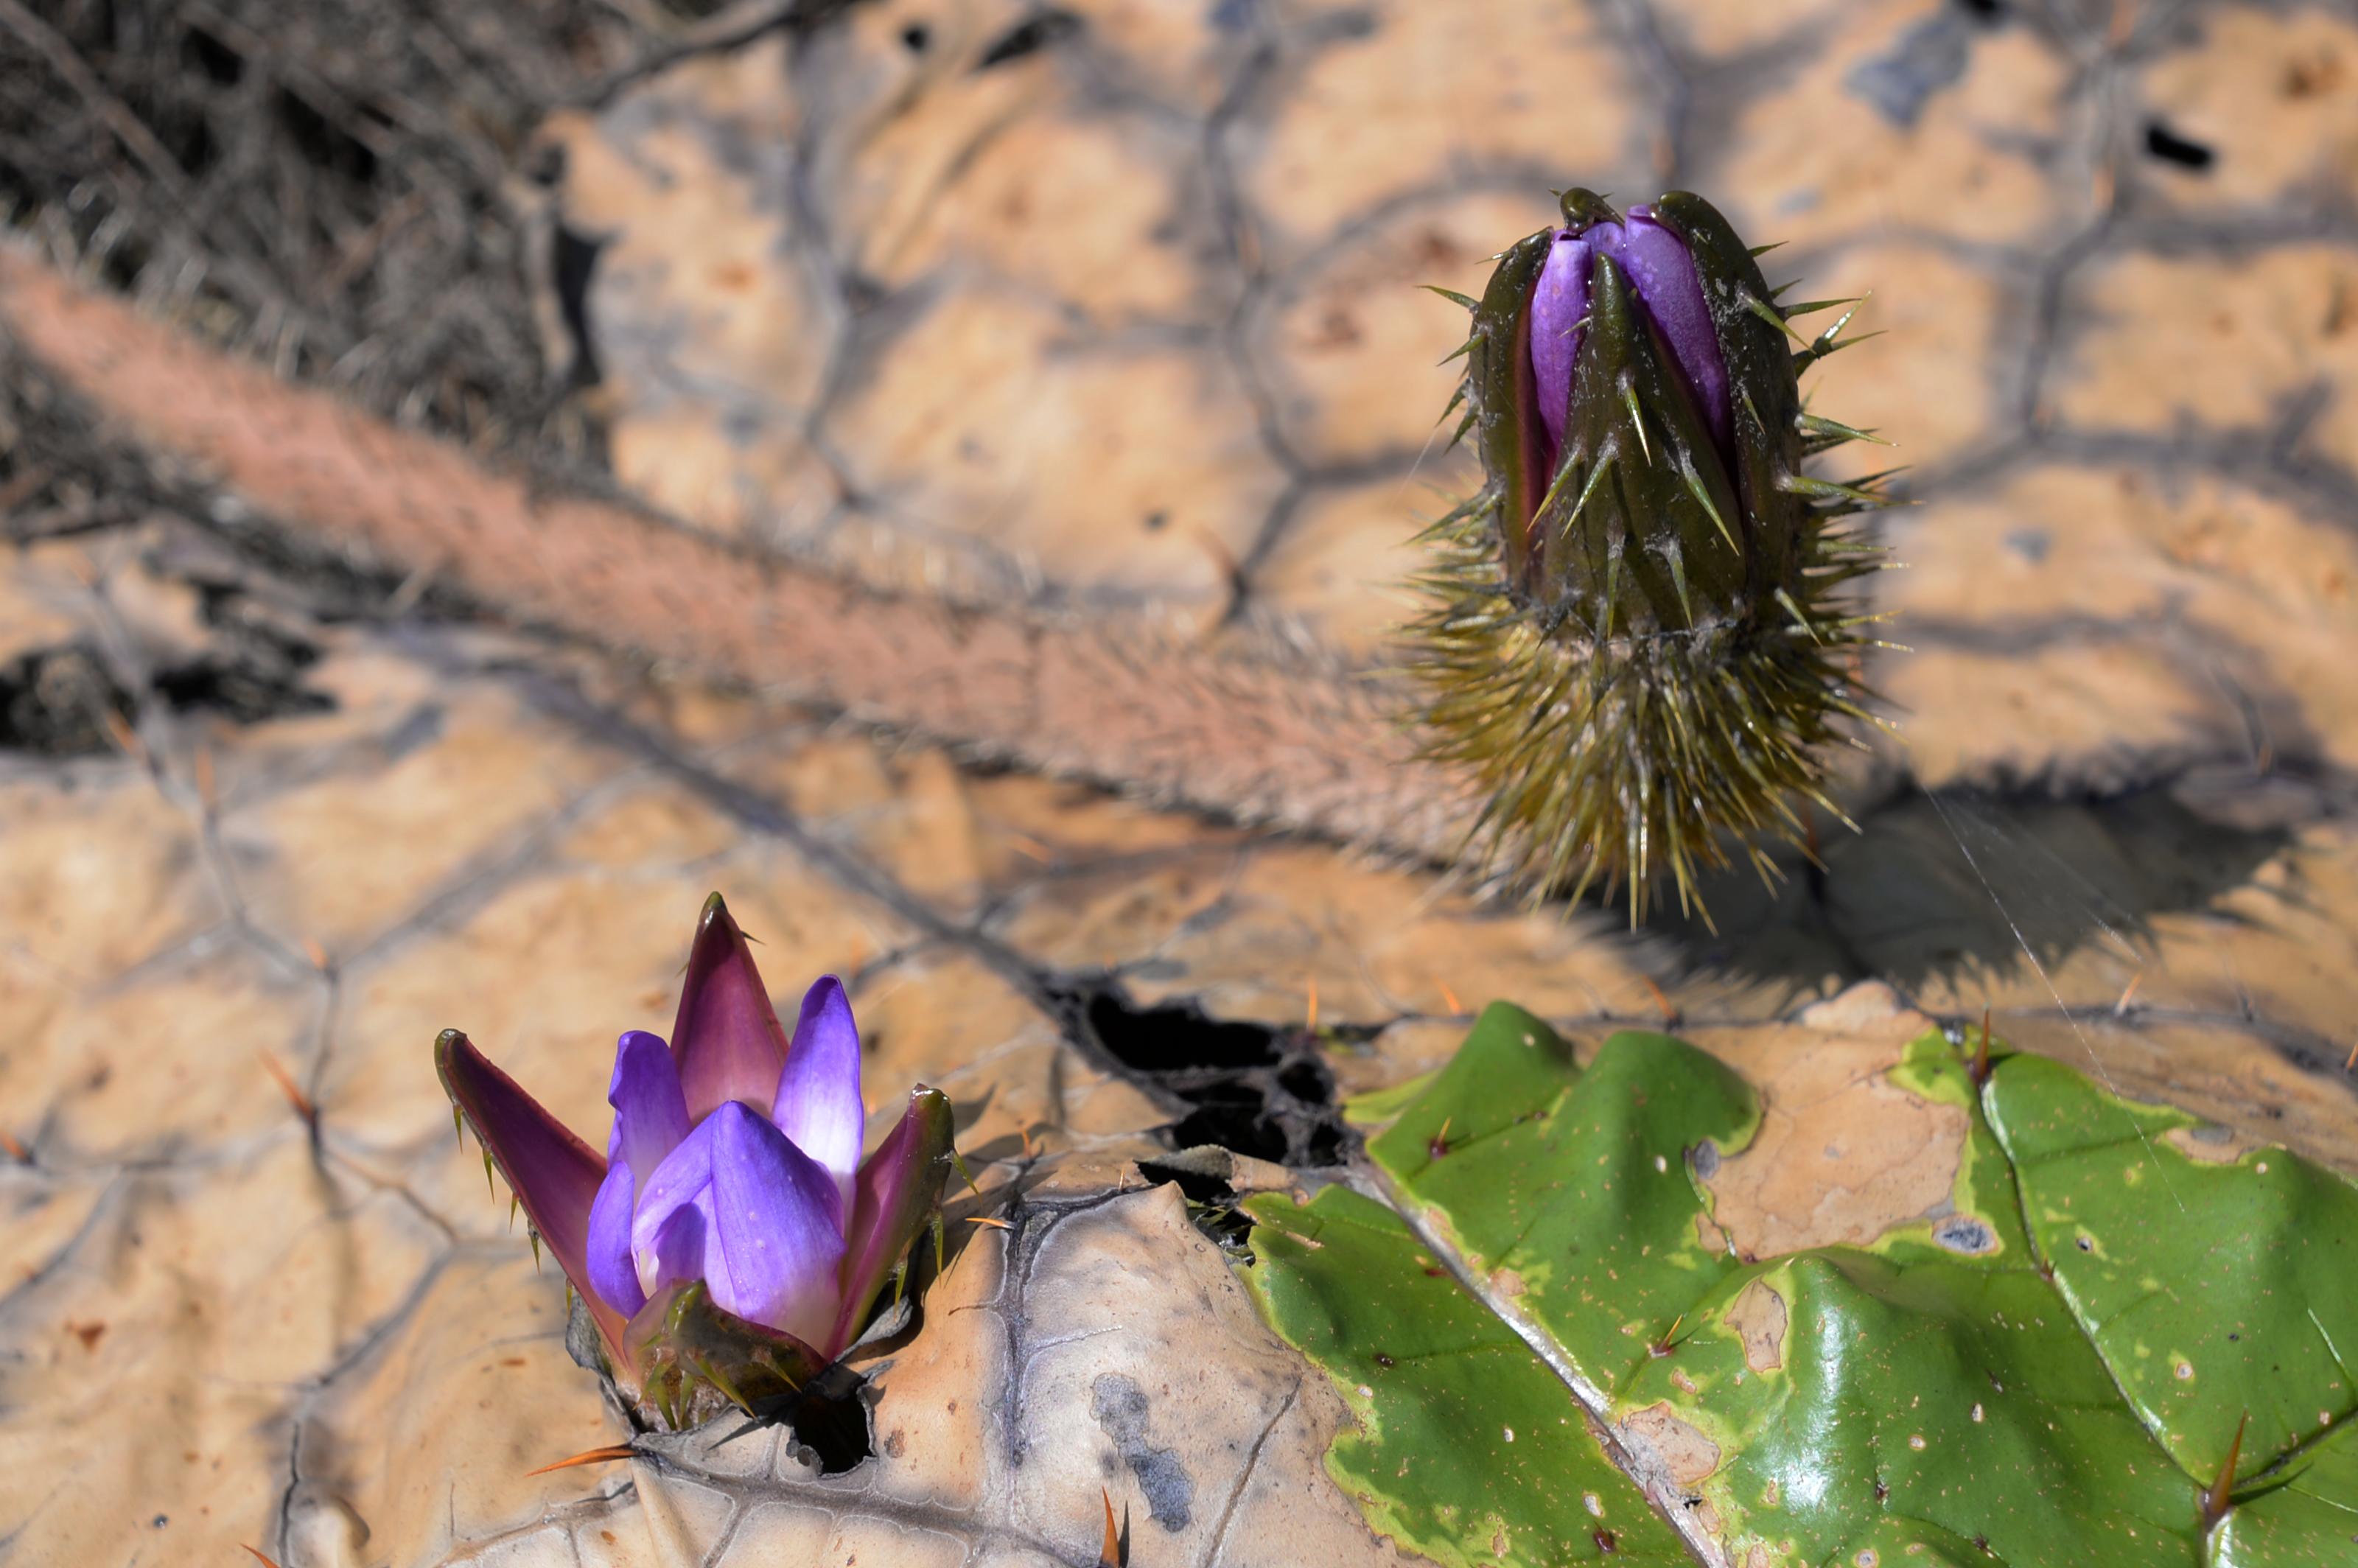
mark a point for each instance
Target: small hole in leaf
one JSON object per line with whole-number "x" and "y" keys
{"x": 1964, "y": 1233}
{"x": 2171, "y": 147}
{"x": 60, "y": 702}
{"x": 1307, "y": 1081}
{"x": 1030, "y": 37}
{"x": 829, "y": 1417}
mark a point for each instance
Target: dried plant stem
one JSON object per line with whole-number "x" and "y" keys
{"x": 1312, "y": 750}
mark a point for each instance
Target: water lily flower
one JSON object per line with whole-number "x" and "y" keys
{"x": 731, "y": 1233}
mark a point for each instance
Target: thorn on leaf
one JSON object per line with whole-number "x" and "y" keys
{"x": 589, "y": 1456}
{"x": 1115, "y": 1553}
{"x": 290, "y": 1088}
{"x": 2220, "y": 1495}
{"x": 1661, "y": 1001}
{"x": 1978, "y": 1069}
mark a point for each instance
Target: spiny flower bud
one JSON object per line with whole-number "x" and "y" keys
{"x": 1639, "y": 639}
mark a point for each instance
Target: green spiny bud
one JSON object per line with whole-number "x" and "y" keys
{"x": 1641, "y": 637}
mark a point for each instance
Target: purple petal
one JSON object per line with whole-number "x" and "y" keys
{"x": 897, "y": 1192}
{"x": 553, "y": 1173}
{"x": 650, "y": 1112}
{"x": 1559, "y": 305}
{"x": 817, "y": 1104}
{"x": 781, "y": 1227}
{"x": 612, "y": 1272}
{"x": 671, "y": 1235}
{"x": 1663, "y": 274}
{"x": 726, "y": 1039}
{"x": 683, "y": 1246}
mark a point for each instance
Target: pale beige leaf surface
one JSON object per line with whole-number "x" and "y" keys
{"x": 1124, "y": 323}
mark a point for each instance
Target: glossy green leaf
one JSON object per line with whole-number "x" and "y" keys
{"x": 1841, "y": 1389}
{"x": 2211, "y": 1289}
{"x": 2306, "y": 1515}
{"x": 2047, "y": 1369}
{"x": 1468, "y": 1448}
{"x": 1569, "y": 1193}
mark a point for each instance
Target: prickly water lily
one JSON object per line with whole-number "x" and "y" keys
{"x": 731, "y": 1238}
{"x": 1640, "y": 637}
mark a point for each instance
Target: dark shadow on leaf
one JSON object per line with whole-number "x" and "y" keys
{"x": 1947, "y": 884}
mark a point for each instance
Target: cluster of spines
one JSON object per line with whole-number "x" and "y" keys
{"x": 1617, "y": 753}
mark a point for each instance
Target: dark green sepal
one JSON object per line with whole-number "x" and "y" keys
{"x": 693, "y": 1358}
{"x": 1762, "y": 380}
{"x": 1499, "y": 370}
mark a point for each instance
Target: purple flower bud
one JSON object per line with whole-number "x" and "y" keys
{"x": 1661, "y": 272}
{"x": 732, "y": 1178}
{"x": 1559, "y": 316}
{"x": 1642, "y": 628}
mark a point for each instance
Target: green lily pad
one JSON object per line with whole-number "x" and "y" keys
{"x": 1974, "y": 1387}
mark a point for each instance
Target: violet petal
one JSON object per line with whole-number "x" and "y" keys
{"x": 553, "y": 1173}
{"x": 781, "y": 1227}
{"x": 671, "y": 1237}
{"x": 682, "y": 1246}
{"x": 726, "y": 1039}
{"x": 650, "y": 1111}
{"x": 1559, "y": 305}
{"x": 897, "y": 1192}
{"x": 613, "y": 1274}
{"x": 818, "y": 1103}
{"x": 1662, "y": 272}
